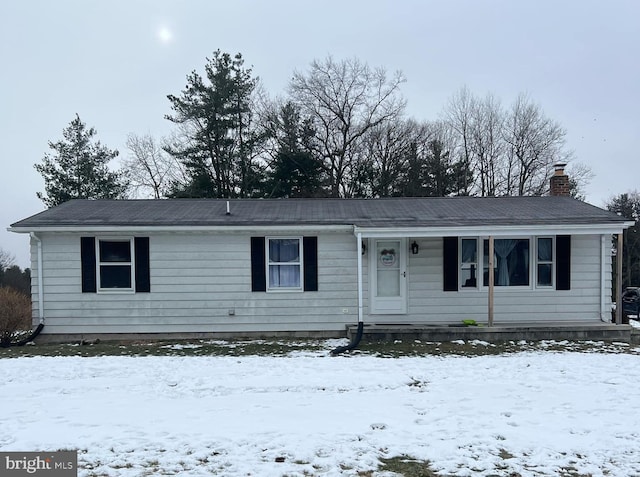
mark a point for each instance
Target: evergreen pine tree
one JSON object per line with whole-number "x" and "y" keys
{"x": 438, "y": 170}
{"x": 295, "y": 171}
{"x": 628, "y": 206}
{"x": 218, "y": 140}
{"x": 410, "y": 183}
{"x": 79, "y": 168}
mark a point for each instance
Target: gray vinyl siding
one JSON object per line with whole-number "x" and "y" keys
{"x": 429, "y": 304}
{"x": 196, "y": 280}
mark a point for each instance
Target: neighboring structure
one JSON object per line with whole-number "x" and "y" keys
{"x": 200, "y": 267}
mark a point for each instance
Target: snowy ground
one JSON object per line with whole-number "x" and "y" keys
{"x": 526, "y": 414}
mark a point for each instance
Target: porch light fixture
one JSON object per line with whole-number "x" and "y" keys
{"x": 414, "y": 248}
{"x": 364, "y": 248}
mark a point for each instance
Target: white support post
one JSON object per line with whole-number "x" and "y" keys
{"x": 619, "y": 255}
{"x": 491, "y": 281}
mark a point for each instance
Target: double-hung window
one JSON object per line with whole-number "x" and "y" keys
{"x": 284, "y": 263}
{"x": 469, "y": 265}
{"x": 118, "y": 264}
{"x": 544, "y": 272}
{"x": 115, "y": 264}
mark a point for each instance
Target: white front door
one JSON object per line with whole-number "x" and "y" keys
{"x": 388, "y": 276}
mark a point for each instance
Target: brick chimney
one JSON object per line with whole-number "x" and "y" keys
{"x": 560, "y": 181}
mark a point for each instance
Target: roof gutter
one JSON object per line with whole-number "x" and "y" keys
{"x": 182, "y": 228}
{"x": 366, "y": 231}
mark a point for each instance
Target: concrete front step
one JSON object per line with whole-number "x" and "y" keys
{"x": 497, "y": 333}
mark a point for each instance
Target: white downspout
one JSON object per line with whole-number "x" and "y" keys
{"x": 40, "y": 280}
{"x": 603, "y": 265}
{"x": 355, "y": 340}
{"x": 360, "y": 307}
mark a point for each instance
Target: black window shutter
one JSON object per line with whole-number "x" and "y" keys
{"x": 88, "y": 264}
{"x": 310, "y": 247}
{"x": 143, "y": 279}
{"x": 258, "y": 267}
{"x": 450, "y": 263}
{"x": 563, "y": 262}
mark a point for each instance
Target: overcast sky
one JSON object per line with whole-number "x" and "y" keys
{"x": 113, "y": 62}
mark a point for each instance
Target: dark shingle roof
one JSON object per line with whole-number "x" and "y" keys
{"x": 398, "y": 212}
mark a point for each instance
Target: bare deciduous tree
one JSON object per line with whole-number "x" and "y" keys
{"x": 486, "y": 144}
{"x": 511, "y": 152}
{"x": 534, "y": 143}
{"x": 386, "y": 149}
{"x": 579, "y": 177}
{"x": 477, "y": 123}
{"x": 6, "y": 259}
{"x": 458, "y": 115}
{"x": 151, "y": 171}
{"x": 345, "y": 99}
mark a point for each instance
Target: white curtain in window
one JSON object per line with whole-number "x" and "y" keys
{"x": 287, "y": 276}
{"x": 503, "y": 248}
{"x": 281, "y": 252}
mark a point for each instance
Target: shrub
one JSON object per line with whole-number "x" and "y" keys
{"x": 15, "y": 314}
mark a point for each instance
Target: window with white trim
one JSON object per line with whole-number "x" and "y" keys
{"x": 511, "y": 262}
{"x": 114, "y": 259}
{"x": 469, "y": 263}
{"x": 284, "y": 263}
{"x": 544, "y": 269}
{"x": 525, "y": 262}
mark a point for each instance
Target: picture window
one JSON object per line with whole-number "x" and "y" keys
{"x": 511, "y": 262}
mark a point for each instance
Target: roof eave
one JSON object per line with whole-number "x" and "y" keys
{"x": 365, "y": 231}
{"x": 493, "y": 230}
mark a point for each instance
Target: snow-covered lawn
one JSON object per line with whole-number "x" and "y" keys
{"x": 534, "y": 413}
